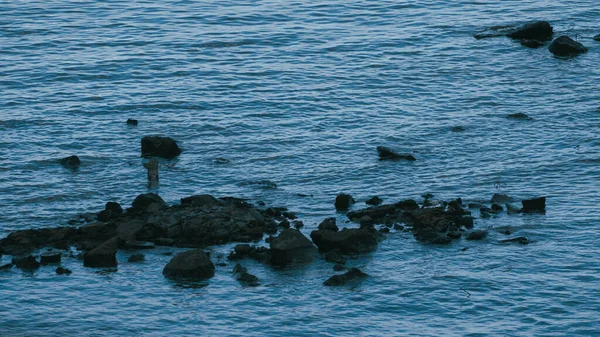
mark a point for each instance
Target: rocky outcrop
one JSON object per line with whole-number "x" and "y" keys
{"x": 539, "y": 30}
{"x": 343, "y": 201}
{"x": 565, "y": 46}
{"x": 291, "y": 246}
{"x": 536, "y": 205}
{"x": 102, "y": 256}
{"x": 71, "y": 162}
{"x": 348, "y": 241}
{"x": 353, "y": 274}
{"x": 165, "y": 147}
{"x": 193, "y": 264}
{"x": 386, "y": 153}
{"x": 244, "y": 277}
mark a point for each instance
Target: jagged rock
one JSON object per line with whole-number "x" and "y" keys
{"x": 136, "y": 258}
{"x": 374, "y": 201}
{"x": 343, "y": 201}
{"x": 142, "y": 201}
{"x": 102, "y": 256}
{"x": 50, "y": 257}
{"x": 501, "y": 198}
{"x": 165, "y": 147}
{"x": 536, "y": 205}
{"x": 63, "y": 271}
{"x": 201, "y": 200}
{"x": 540, "y": 31}
{"x": 71, "y": 162}
{"x": 565, "y": 46}
{"x": 521, "y": 239}
{"x": 291, "y": 247}
{"x": 132, "y": 122}
{"x": 241, "y": 274}
{"x": 386, "y": 153}
{"x": 476, "y": 235}
{"x": 348, "y": 241}
{"x": 26, "y": 262}
{"x": 191, "y": 264}
{"x": 350, "y": 275}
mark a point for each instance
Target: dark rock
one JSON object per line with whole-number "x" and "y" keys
{"x": 241, "y": 274}
{"x": 565, "y": 46}
{"x": 136, "y": 258}
{"x": 474, "y": 205}
{"x": 384, "y": 230}
{"x": 454, "y": 235}
{"x": 50, "y": 257}
{"x": 398, "y": 227}
{"x": 350, "y": 275}
{"x": 389, "y": 154}
{"x": 63, "y": 271}
{"x": 485, "y": 211}
{"x": 343, "y": 201}
{"x": 222, "y": 161}
{"x": 289, "y": 215}
{"x": 142, "y": 201}
{"x": 291, "y": 247}
{"x": 113, "y": 207}
{"x": 476, "y": 235}
{"x": 457, "y": 128}
{"x": 536, "y": 205}
{"x": 132, "y": 122}
{"x": 191, "y": 264}
{"x": 334, "y": 256}
{"x": 597, "y": 37}
{"x": 298, "y": 224}
{"x": 102, "y": 256}
{"x": 129, "y": 229}
{"x": 273, "y": 212}
{"x": 510, "y": 209}
{"x": 519, "y": 115}
{"x": 203, "y": 200}
{"x": 521, "y": 239}
{"x": 366, "y": 222}
{"x": 540, "y": 31}
{"x": 348, "y": 241}
{"x": 497, "y": 208}
{"x": 285, "y": 223}
{"x": 6, "y": 266}
{"x": 432, "y": 237}
{"x": 165, "y": 147}
{"x": 139, "y": 245}
{"x": 531, "y": 43}
{"x": 71, "y": 162}
{"x": 26, "y": 262}
{"x": 374, "y": 201}
{"x": 339, "y": 267}
{"x": 263, "y": 184}
{"x": 501, "y": 198}
{"x": 407, "y": 205}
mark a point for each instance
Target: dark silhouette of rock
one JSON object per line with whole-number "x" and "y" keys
{"x": 540, "y": 31}
{"x": 26, "y": 262}
{"x": 241, "y": 274}
{"x": 191, "y": 264}
{"x": 132, "y": 122}
{"x": 374, "y": 201}
{"x": 536, "y": 205}
{"x": 285, "y": 223}
{"x": 291, "y": 246}
{"x": 496, "y": 208}
{"x": 142, "y": 201}
{"x": 136, "y": 258}
{"x": 222, "y": 161}
{"x": 201, "y": 200}
{"x": 113, "y": 207}
{"x": 520, "y": 239}
{"x": 565, "y": 46}
{"x": 164, "y": 147}
{"x": 476, "y": 235}
{"x": 262, "y": 184}
{"x": 501, "y": 198}
{"x": 50, "y": 257}
{"x": 71, "y": 162}
{"x": 329, "y": 224}
{"x": 102, "y": 256}
{"x": 597, "y": 37}
{"x": 351, "y": 275}
{"x": 111, "y": 211}
{"x": 343, "y": 201}
{"x": 348, "y": 241}
{"x": 531, "y": 43}
{"x": 432, "y": 237}
{"x": 519, "y": 115}
{"x": 457, "y": 128}
{"x": 298, "y": 224}
{"x": 334, "y": 256}
{"x": 386, "y": 153}
{"x": 454, "y": 234}
{"x": 63, "y": 271}
{"x": 339, "y": 267}
{"x": 6, "y": 266}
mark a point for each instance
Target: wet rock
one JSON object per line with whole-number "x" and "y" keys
{"x": 63, "y": 271}
{"x": 454, "y": 234}
{"x": 375, "y": 201}
{"x": 291, "y": 246}
{"x": 366, "y": 222}
{"x": 386, "y": 153}
{"x": 71, "y": 162}
{"x": 536, "y": 205}
{"x": 111, "y": 210}
{"x": 496, "y": 208}
{"x": 129, "y": 229}
{"x": 351, "y": 275}
{"x": 501, "y": 198}
{"x": 510, "y": 209}
{"x": 132, "y": 122}
{"x": 142, "y": 201}
{"x": 136, "y": 258}
{"x": 285, "y": 223}
{"x": 339, "y": 267}
{"x": 263, "y": 184}
{"x": 25, "y": 262}
{"x": 165, "y": 147}
{"x": 191, "y": 264}
{"x": 348, "y": 241}
{"x": 50, "y": 257}
{"x": 343, "y": 201}
{"x": 597, "y": 37}
{"x": 565, "y": 46}
{"x": 398, "y": 227}
{"x": 476, "y": 235}
{"x": 102, "y": 256}
{"x": 202, "y": 200}
{"x": 241, "y": 274}
{"x": 384, "y": 230}
{"x": 298, "y": 224}
{"x": 432, "y": 237}
{"x": 139, "y": 245}
{"x": 329, "y": 224}
{"x": 334, "y": 256}
{"x": 519, "y": 116}
{"x": 531, "y": 43}
{"x": 407, "y": 205}
{"x": 6, "y": 266}
{"x": 540, "y": 31}
{"x": 521, "y": 239}
{"x": 222, "y": 161}
{"x": 485, "y": 212}
{"x": 289, "y": 215}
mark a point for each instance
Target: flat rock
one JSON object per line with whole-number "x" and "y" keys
{"x": 165, "y": 147}
{"x": 519, "y": 116}
{"x": 565, "y": 46}
{"x": 191, "y": 264}
{"x": 351, "y": 275}
{"x": 348, "y": 241}
{"x": 386, "y": 153}
{"x": 521, "y": 239}
{"x": 102, "y": 256}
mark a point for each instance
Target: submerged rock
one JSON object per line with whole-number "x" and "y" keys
{"x": 291, "y": 246}
{"x": 71, "y": 162}
{"x": 476, "y": 235}
{"x": 501, "y": 198}
{"x": 597, "y": 37}
{"x": 536, "y": 205}
{"x": 348, "y": 241}
{"x": 510, "y": 209}
{"x": 132, "y": 122}
{"x": 374, "y": 201}
{"x": 386, "y": 153}
{"x": 565, "y": 46}
{"x": 540, "y": 31}
{"x": 63, "y": 271}
{"x": 165, "y": 147}
{"x": 102, "y": 256}
{"x": 521, "y": 239}
{"x": 351, "y": 275}
{"x": 519, "y": 115}
{"x": 241, "y": 274}
{"x": 191, "y": 264}
{"x": 343, "y": 201}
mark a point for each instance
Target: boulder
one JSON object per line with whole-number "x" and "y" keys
{"x": 63, "y": 271}
{"x": 496, "y": 208}
{"x": 102, "y": 256}
{"x": 291, "y": 246}
{"x": 165, "y": 147}
{"x": 343, "y": 201}
{"x": 351, "y": 275}
{"x": 386, "y": 153}
{"x": 50, "y": 257}
{"x": 26, "y": 262}
{"x": 348, "y": 241}
{"x": 540, "y": 31}
{"x": 241, "y": 274}
{"x": 329, "y": 224}
{"x": 191, "y": 264}
{"x": 71, "y": 162}
{"x": 142, "y": 201}
{"x": 536, "y": 205}
{"x": 132, "y": 122}
{"x": 510, "y": 209}
{"x": 565, "y": 46}
{"x": 375, "y": 201}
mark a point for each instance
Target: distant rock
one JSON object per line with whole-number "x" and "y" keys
{"x": 501, "y": 198}
{"x": 565, "y": 46}
{"x": 457, "y": 128}
{"x": 291, "y": 246}
{"x": 63, "y": 271}
{"x": 351, "y": 275}
{"x": 136, "y": 258}
{"x": 241, "y": 274}
{"x": 521, "y": 239}
{"x": 348, "y": 241}
{"x": 102, "y": 256}
{"x": 26, "y": 262}
{"x": 263, "y": 184}
{"x": 71, "y": 162}
{"x": 386, "y": 153}
{"x": 374, "y": 201}
{"x": 329, "y": 224}
{"x": 519, "y": 115}
{"x": 132, "y": 122}
{"x": 536, "y": 205}
{"x": 343, "y": 201}
{"x": 165, "y": 147}
{"x": 531, "y": 43}
{"x": 540, "y": 31}
{"x": 191, "y": 264}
